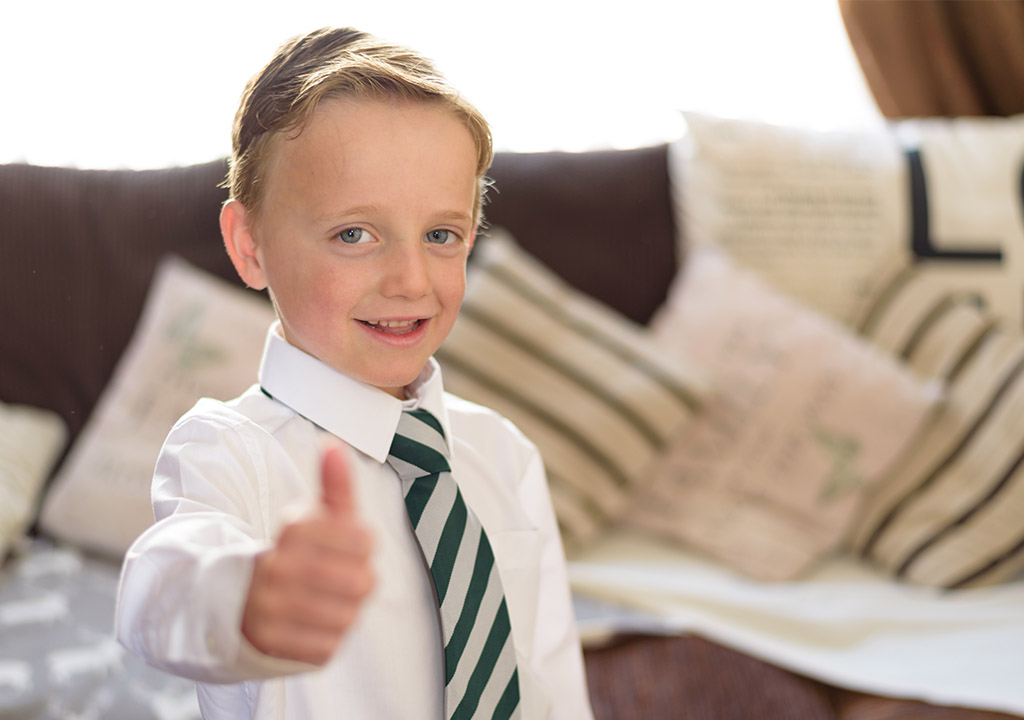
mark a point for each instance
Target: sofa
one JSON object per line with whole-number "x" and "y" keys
{"x": 605, "y": 239}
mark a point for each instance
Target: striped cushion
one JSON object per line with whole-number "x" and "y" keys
{"x": 578, "y": 379}
{"x": 952, "y": 514}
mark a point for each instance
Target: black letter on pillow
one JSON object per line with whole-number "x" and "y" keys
{"x": 920, "y": 234}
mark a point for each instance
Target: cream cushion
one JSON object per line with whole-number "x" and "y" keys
{"x": 822, "y": 215}
{"x": 805, "y": 419}
{"x": 31, "y": 440}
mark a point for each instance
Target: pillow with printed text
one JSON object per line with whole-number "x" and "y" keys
{"x": 822, "y": 214}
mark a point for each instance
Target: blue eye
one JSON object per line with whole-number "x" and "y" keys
{"x": 353, "y": 236}
{"x": 439, "y": 237}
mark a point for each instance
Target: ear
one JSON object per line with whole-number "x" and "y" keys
{"x": 472, "y": 240}
{"x": 241, "y": 245}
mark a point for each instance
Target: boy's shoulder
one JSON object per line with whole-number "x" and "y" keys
{"x": 252, "y": 407}
{"x": 483, "y": 423}
{"x": 462, "y": 410}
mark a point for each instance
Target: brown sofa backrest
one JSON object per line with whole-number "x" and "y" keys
{"x": 78, "y": 249}
{"x": 77, "y": 252}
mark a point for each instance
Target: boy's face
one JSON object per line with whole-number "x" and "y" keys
{"x": 363, "y": 235}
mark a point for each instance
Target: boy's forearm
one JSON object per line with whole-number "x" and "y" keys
{"x": 180, "y": 603}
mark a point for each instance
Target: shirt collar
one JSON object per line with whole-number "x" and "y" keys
{"x": 363, "y": 416}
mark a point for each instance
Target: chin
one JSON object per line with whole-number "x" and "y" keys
{"x": 395, "y": 382}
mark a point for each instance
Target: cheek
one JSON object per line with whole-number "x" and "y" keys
{"x": 453, "y": 285}
{"x": 310, "y": 290}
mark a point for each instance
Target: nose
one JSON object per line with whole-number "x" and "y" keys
{"x": 407, "y": 273}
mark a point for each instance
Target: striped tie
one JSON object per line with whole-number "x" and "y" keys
{"x": 481, "y": 679}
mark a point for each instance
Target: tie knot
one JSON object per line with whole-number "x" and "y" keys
{"x": 419, "y": 447}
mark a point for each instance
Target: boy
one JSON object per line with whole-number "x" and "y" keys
{"x": 356, "y": 181}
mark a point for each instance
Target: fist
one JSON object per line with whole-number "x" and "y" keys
{"x": 307, "y": 589}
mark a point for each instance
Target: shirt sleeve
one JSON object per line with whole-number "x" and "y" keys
{"x": 184, "y": 581}
{"x": 557, "y": 652}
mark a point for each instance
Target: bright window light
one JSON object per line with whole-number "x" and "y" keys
{"x": 112, "y": 83}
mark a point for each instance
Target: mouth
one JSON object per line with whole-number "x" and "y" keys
{"x": 393, "y": 327}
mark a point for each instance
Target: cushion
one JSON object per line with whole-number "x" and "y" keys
{"x": 581, "y": 381}
{"x": 950, "y": 515}
{"x": 966, "y": 205}
{"x": 198, "y": 336}
{"x": 820, "y": 214}
{"x": 814, "y": 212}
{"x": 805, "y": 418}
{"x": 31, "y": 440}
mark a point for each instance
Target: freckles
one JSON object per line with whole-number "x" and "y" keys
{"x": 326, "y": 275}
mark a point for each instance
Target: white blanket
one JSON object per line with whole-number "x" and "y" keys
{"x": 845, "y": 624}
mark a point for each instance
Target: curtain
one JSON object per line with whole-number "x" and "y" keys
{"x": 940, "y": 57}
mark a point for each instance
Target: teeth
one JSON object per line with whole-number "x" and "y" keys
{"x": 392, "y": 323}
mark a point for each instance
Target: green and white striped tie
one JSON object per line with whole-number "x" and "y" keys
{"x": 481, "y": 678}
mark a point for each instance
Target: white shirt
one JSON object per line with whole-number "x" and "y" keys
{"x": 230, "y": 475}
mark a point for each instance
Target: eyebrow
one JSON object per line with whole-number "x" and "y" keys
{"x": 332, "y": 215}
{"x": 455, "y": 215}
{"x": 444, "y": 215}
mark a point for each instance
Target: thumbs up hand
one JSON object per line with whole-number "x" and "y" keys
{"x": 307, "y": 589}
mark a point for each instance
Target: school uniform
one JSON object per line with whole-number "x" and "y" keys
{"x": 230, "y": 475}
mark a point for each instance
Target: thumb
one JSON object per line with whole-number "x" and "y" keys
{"x": 336, "y": 483}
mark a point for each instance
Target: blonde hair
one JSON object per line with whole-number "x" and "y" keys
{"x": 328, "y": 63}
